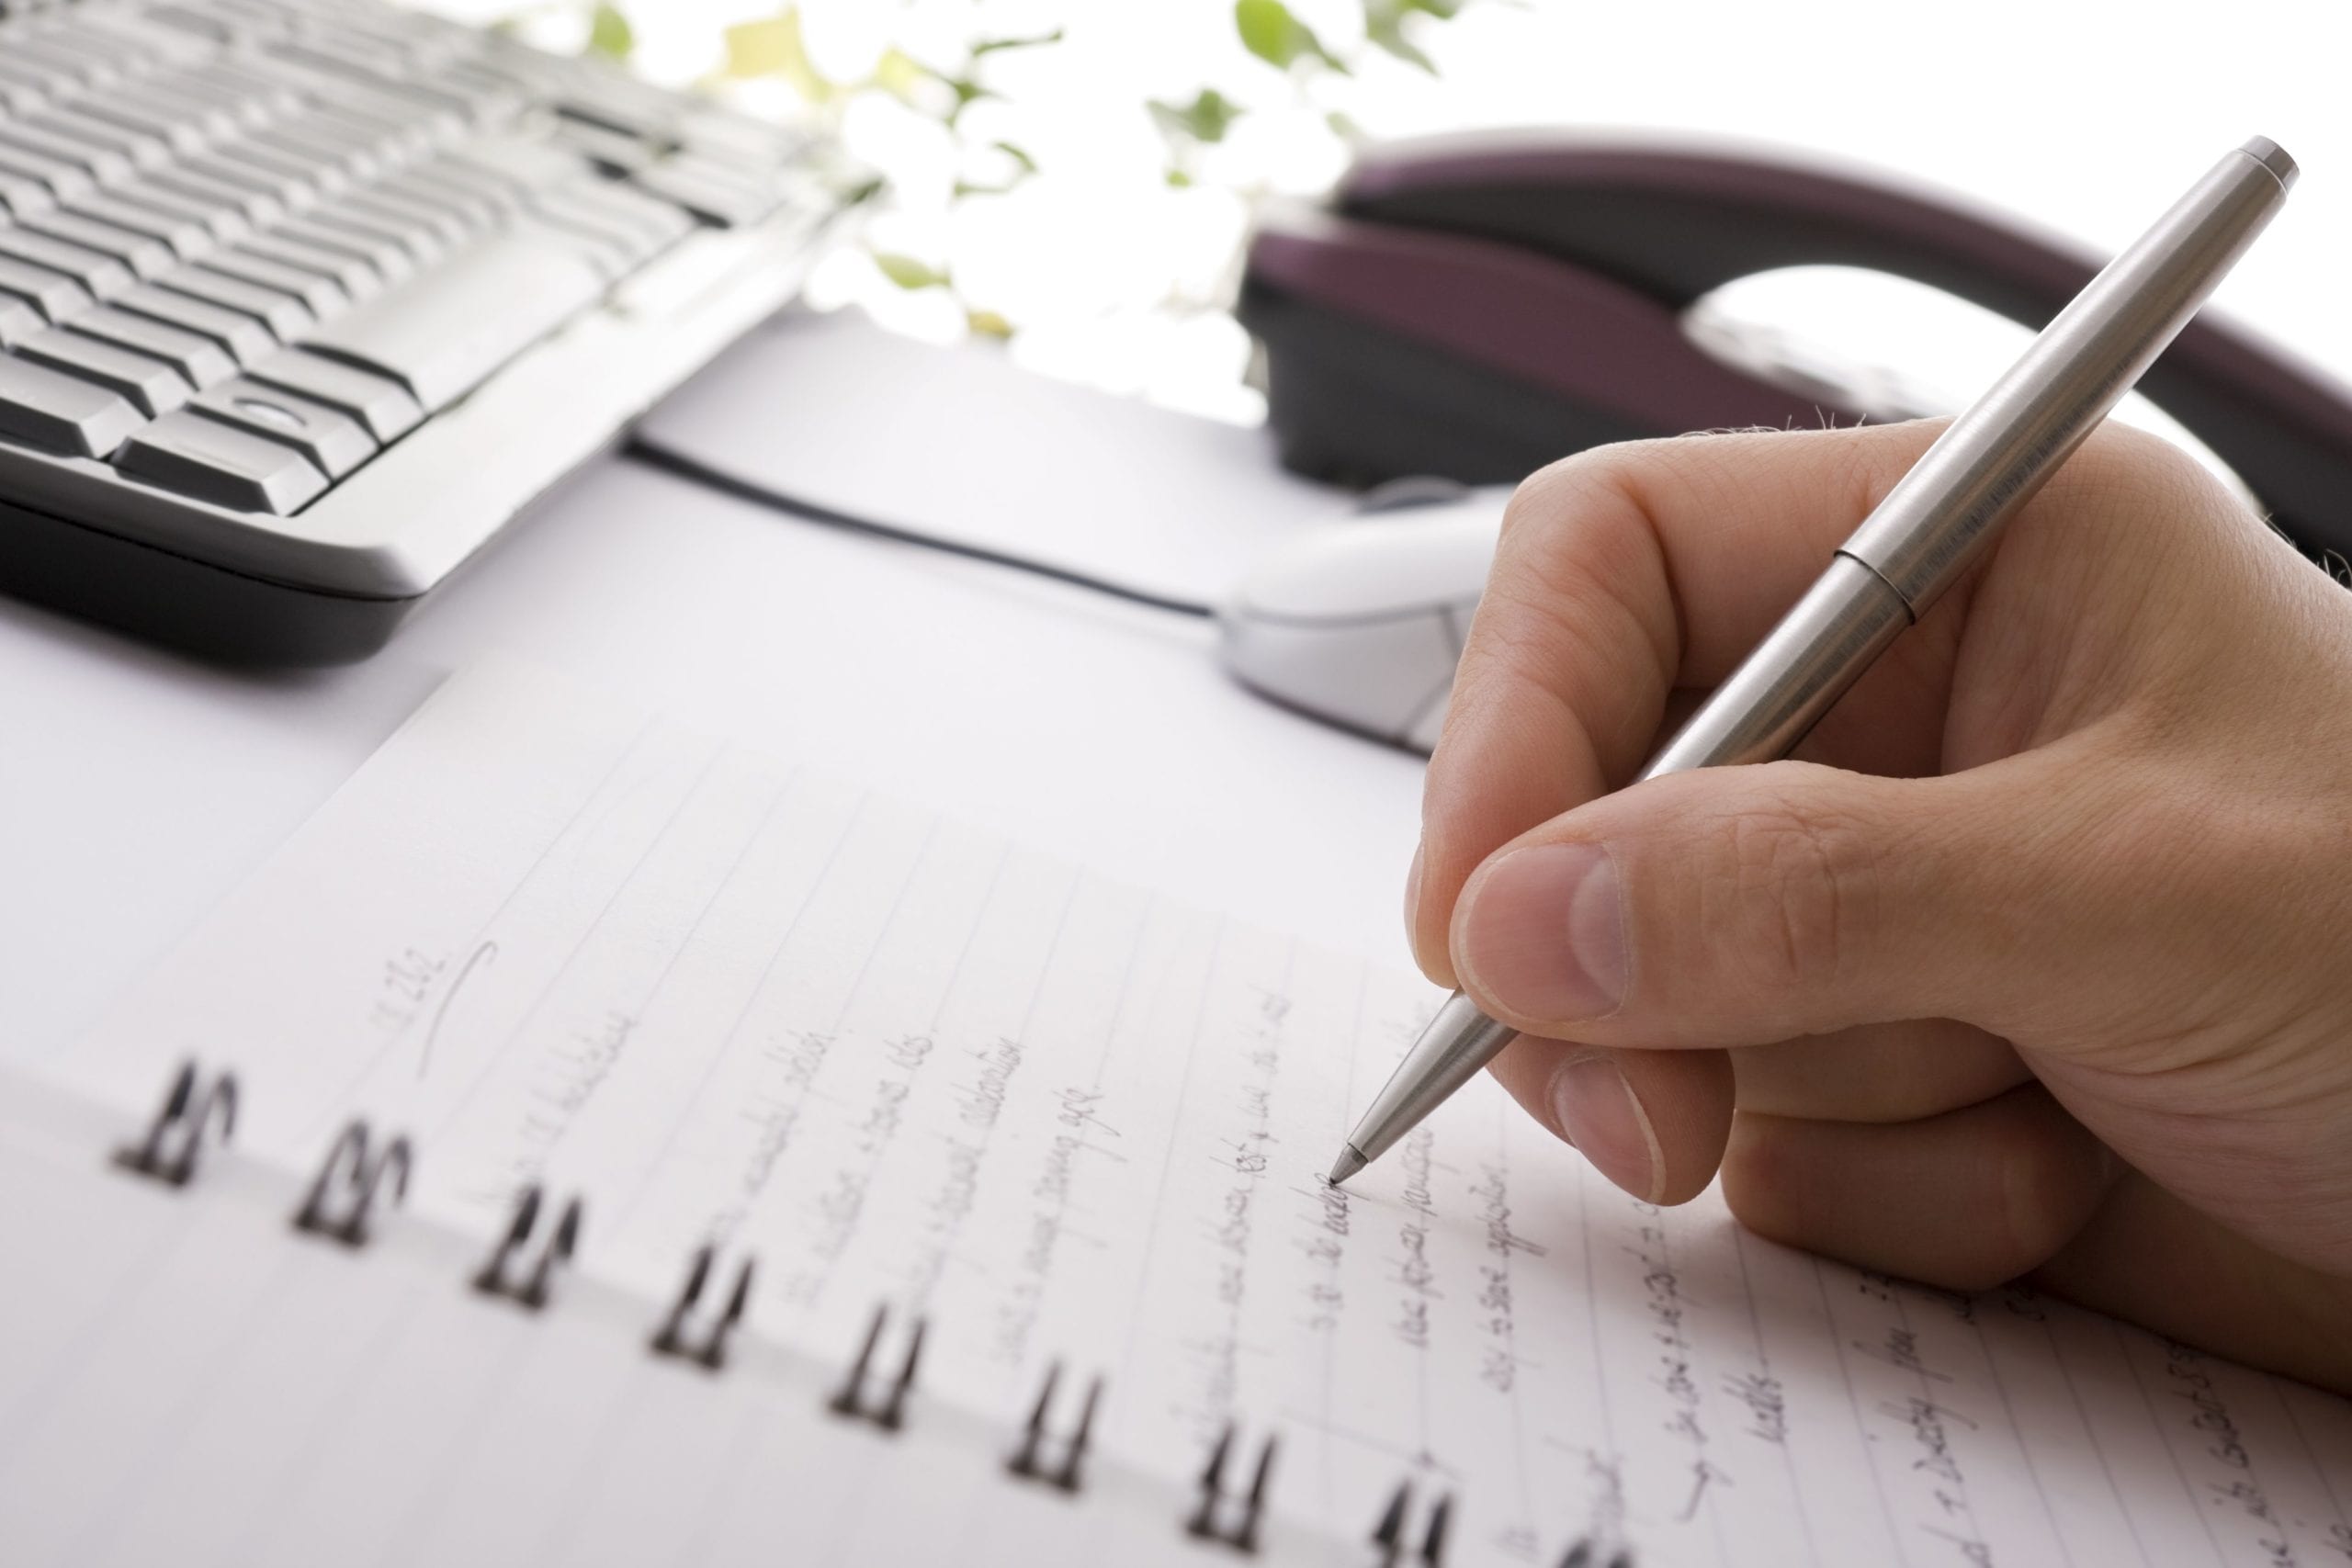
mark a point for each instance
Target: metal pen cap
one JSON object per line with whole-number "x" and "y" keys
{"x": 1937, "y": 521}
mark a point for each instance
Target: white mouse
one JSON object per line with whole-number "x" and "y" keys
{"x": 1361, "y": 622}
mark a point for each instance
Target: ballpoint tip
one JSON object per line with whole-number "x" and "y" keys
{"x": 1347, "y": 1165}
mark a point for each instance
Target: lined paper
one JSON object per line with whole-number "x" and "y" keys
{"x": 901, "y": 1062}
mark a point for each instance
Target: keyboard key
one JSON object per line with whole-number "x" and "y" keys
{"x": 716, "y": 195}
{"x": 323, "y": 154}
{"x": 609, "y": 256}
{"x": 172, "y": 196}
{"x": 476, "y": 208}
{"x": 196, "y": 21}
{"x": 331, "y": 440}
{"x": 20, "y": 197}
{"x": 319, "y": 295}
{"x": 240, "y": 336}
{"x": 101, "y": 276}
{"x": 180, "y": 127}
{"x": 211, "y": 116}
{"x": 445, "y": 223}
{"x": 54, "y": 294}
{"x": 69, "y": 121}
{"x": 64, "y": 181}
{"x": 62, "y": 67}
{"x": 176, "y": 224}
{"x": 295, "y": 181}
{"x": 637, "y": 222}
{"x": 282, "y": 313}
{"x": 151, "y": 386}
{"x": 143, "y": 257}
{"x": 614, "y": 151}
{"x": 259, "y": 99}
{"x": 217, "y": 463}
{"x": 441, "y": 334}
{"x": 200, "y": 361}
{"x": 46, "y": 408}
{"x": 523, "y": 164}
{"x": 18, "y": 321}
{"x": 382, "y": 256}
{"x": 384, "y": 407}
{"x": 89, "y": 62}
{"x": 347, "y": 272}
{"x": 102, "y": 165}
{"x": 22, "y": 91}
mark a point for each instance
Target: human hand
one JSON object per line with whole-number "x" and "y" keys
{"x": 2035, "y": 960}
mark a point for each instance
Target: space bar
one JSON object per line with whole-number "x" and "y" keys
{"x": 443, "y": 332}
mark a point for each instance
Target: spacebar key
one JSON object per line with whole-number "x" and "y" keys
{"x": 442, "y": 333}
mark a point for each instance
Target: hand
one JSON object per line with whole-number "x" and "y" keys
{"x": 2036, "y": 960}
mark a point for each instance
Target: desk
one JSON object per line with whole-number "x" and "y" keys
{"x": 138, "y": 787}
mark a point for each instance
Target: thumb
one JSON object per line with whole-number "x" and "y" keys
{"x": 1745, "y": 904}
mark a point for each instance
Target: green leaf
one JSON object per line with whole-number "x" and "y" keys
{"x": 1206, "y": 119}
{"x": 1393, "y": 41}
{"x": 988, "y": 323}
{"x": 1343, "y": 128}
{"x": 967, "y": 93}
{"x": 1383, "y": 27}
{"x": 991, "y": 45}
{"x": 1028, "y": 164}
{"x": 907, "y": 272}
{"x": 1178, "y": 180}
{"x": 773, "y": 47}
{"x": 609, "y": 33}
{"x": 1269, "y": 31}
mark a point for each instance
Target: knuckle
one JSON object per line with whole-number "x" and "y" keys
{"x": 1799, "y": 886}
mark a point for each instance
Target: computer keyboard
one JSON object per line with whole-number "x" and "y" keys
{"x": 301, "y": 301}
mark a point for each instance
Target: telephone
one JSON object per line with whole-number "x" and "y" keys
{"x": 1475, "y": 306}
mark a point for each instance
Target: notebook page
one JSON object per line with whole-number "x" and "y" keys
{"x": 1065, "y": 1123}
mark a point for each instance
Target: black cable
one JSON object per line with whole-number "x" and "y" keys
{"x": 702, "y": 473}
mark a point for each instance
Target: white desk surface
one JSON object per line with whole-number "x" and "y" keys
{"x": 140, "y": 787}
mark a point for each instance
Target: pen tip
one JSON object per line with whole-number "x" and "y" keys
{"x": 1347, "y": 1165}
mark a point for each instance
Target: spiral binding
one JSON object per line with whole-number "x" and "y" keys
{"x": 342, "y": 1198}
{"x": 175, "y": 1139}
{"x": 1221, "y": 1518}
{"x": 710, "y": 1352}
{"x": 889, "y": 1413}
{"x": 1393, "y": 1534}
{"x": 531, "y": 1290}
{"x": 361, "y": 1178}
{"x": 1028, "y": 1461}
{"x": 1586, "y": 1554}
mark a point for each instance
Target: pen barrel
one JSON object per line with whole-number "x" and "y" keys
{"x": 1943, "y": 515}
{"x": 1802, "y": 666}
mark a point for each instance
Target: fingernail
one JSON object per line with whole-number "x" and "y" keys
{"x": 1413, "y": 892}
{"x": 1597, "y": 1111}
{"x": 1544, "y": 934}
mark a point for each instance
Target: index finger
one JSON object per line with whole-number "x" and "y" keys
{"x": 1621, "y": 574}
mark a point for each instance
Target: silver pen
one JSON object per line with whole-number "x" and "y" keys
{"x": 1932, "y": 525}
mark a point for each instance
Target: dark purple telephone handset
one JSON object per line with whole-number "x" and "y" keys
{"x": 1477, "y": 307}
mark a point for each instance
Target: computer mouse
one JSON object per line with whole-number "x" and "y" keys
{"x": 1360, "y": 622}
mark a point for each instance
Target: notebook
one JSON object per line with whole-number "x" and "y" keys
{"x": 647, "y": 1149}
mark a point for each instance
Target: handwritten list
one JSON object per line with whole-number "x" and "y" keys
{"x": 1066, "y": 1122}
